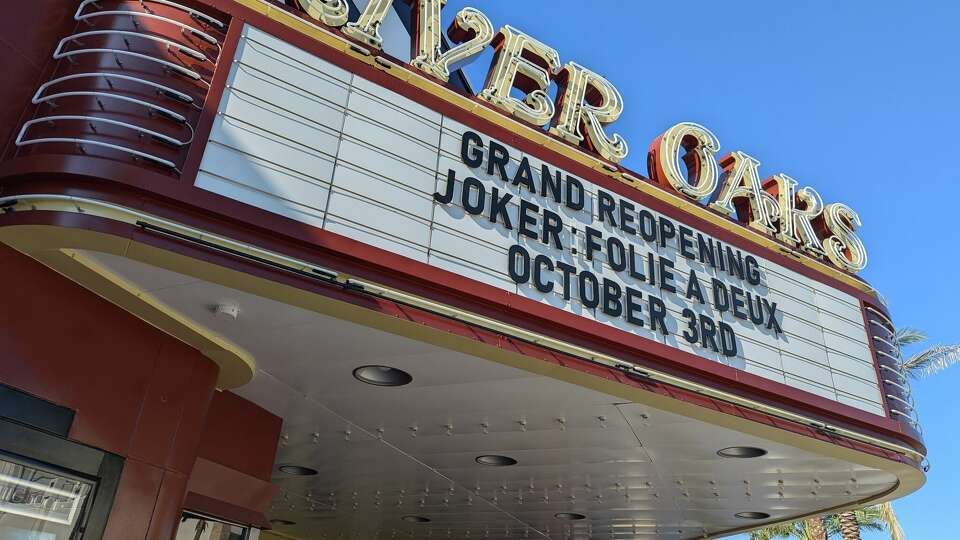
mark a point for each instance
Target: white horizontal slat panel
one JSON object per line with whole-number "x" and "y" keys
{"x": 854, "y": 401}
{"x": 391, "y": 99}
{"x": 288, "y": 102}
{"x": 298, "y": 57}
{"x": 814, "y": 387}
{"x": 857, "y": 367}
{"x": 264, "y": 184}
{"x": 274, "y": 142}
{"x": 375, "y": 163}
{"x": 765, "y": 372}
{"x": 272, "y": 127}
{"x": 390, "y": 212}
{"x": 858, "y": 387}
{"x": 268, "y": 202}
{"x": 350, "y": 222}
{"x": 390, "y": 140}
{"x": 454, "y": 251}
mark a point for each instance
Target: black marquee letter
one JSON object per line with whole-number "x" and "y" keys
{"x": 470, "y": 151}
{"x": 728, "y": 340}
{"x": 594, "y": 289}
{"x": 518, "y": 254}
{"x": 612, "y": 305}
{"x": 447, "y": 195}
{"x": 574, "y": 194}
{"x": 539, "y": 262}
{"x": 474, "y": 184}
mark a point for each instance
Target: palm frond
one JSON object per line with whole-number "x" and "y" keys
{"x": 832, "y": 525}
{"x": 879, "y": 517}
{"x": 932, "y": 360}
{"x": 908, "y": 336}
{"x": 783, "y": 530}
{"x": 872, "y": 526}
{"x": 889, "y": 518}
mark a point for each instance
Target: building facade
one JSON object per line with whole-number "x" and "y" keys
{"x": 281, "y": 271}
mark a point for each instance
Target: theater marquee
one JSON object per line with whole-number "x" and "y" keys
{"x": 428, "y": 310}
{"x": 298, "y": 136}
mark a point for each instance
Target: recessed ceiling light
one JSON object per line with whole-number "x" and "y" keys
{"x": 752, "y": 515}
{"x": 742, "y": 452}
{"x": 572, "y": 516}
{"x": 297, "y": 470}
{"x": 282, "y": 522}
{"x": 416, "y": 519}
{"x": 496, "y": 461}
{"x": 382, "y": 376}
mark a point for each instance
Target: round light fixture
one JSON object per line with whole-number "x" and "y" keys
{"x": 382, "y": 376}
{"x": 742, "y": 452}
{"x": 570, "y": 516}
{"x": 282, "y": 522}
{"x": 415, "y": 519}
{"x": 752, "y": 515}
{"x": 297, "y": 470}
{"x": 494, "y": 460}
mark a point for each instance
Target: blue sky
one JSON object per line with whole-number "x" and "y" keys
{"x": 857, "y": 99}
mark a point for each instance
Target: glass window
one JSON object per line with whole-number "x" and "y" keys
{"x": 194, "y": 527}
{"x": 39, "y": 504}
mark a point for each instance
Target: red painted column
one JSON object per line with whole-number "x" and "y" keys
{"x": 137, "y": 392}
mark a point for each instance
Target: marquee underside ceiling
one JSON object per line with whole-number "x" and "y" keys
{"x": 382, "y": 453}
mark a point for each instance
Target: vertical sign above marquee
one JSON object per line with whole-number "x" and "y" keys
{"x": 302, "y": 138}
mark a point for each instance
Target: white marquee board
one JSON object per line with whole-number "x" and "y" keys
{"x": 302, "y": 138}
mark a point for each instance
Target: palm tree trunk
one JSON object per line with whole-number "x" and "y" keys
{"x": 849, "y": 526}
{"x": 815, "y": 529}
